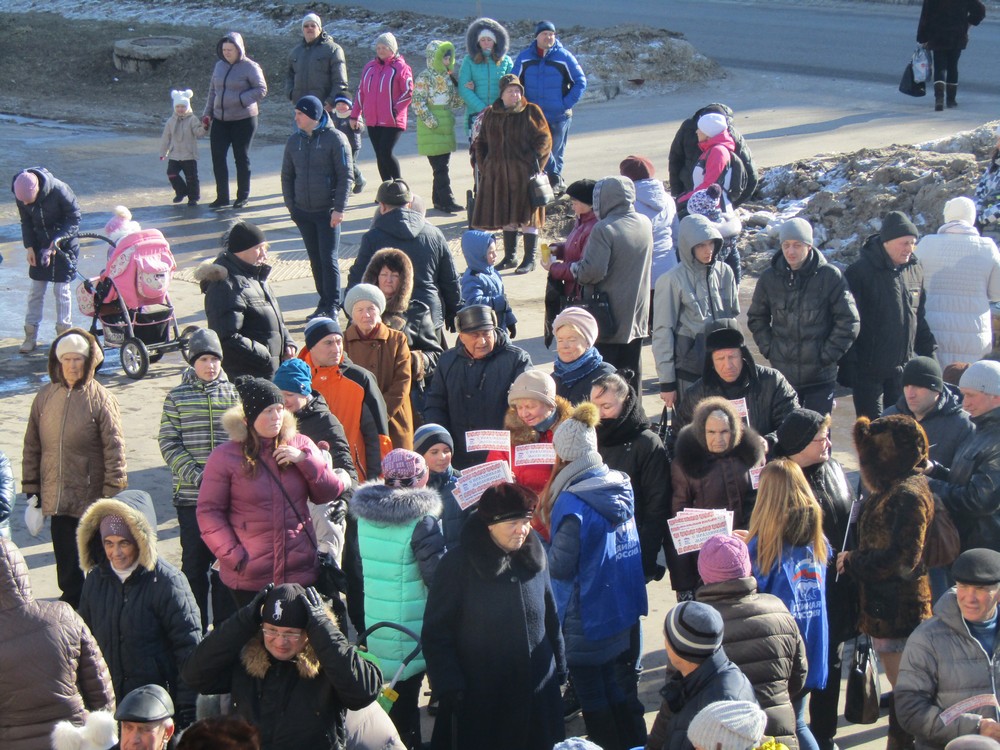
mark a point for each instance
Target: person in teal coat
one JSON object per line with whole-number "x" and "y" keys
{"x": 400, "y": 540}
{"x": 484, "y": 65}
{"x": 434, "y": 97}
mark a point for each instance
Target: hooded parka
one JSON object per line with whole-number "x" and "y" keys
{"x": 484, "y": 76}
{"x": 235, "y": 89}
{"x": 434, "y": 98}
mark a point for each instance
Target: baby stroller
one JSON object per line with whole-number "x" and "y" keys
{"x": 131, "y": 300}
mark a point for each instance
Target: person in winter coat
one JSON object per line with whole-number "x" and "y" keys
{"x": 138, "y": 606}
{"x": 435, "y": 95}
{"x": 236, "y": 88}
{"x": 717, "y": 147}
{"x": 760, "y": 635}
{"x": 887, "y": 282}
{"x": 944, "y": 30}
{"x": 288, "y": 669}
{"x": 469, "y": 389}
{"x": 397, "y": 225}
{"x": 951, "y": 659}
{"x": 578, "y": 362}
{"x": 892, "y": 527}
{"x": 401, "y": 543}
{"x": 699, "y": 289}
{"x": 704, "y": 674}
{"x": 709, "y": 203}
{"x": 6, "y": 495}
{"x": 804, "y": 437}
{"x": 655, "y": 203}
{"x": 711, "y": 469}
{"x": 316, "y": 66}
{"x": 392, "y": 272}
{"x": 481, "y": 284}
{"x": 987, "y": 195}
{"x": 596, "y": 566}
{"x": 553, "y": 79}
{"x": 789, "y": 555}
{"x": 617, "y": 261}
{"x": 180, "y": 142}
{"x": 316, "y": 178}
{"x": 485, "y": 63}
{"x": 433, "y": 442}
{"x": 626, "y": 444}
{"x": 383, "y": 99}
{"x": 190, "y": 429}
{"x": 241, "y": 307}
{"x": 50, "y": 220}
{"x": 962, "y": 278}
{"x": 803, "y": 317}
{"x": 383, "y": 352}
{"x": 252, "y": 505}
{"x": 514, "y": 143}
{"x": 498, "y": 686}
{"x": 74, "y": 449}
{"x": 51, "y": 668}
{"x": 685, "y": 152}
{"x": 561, "y": 288}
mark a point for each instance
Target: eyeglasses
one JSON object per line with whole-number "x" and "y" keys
{"x": 274, "y": 635}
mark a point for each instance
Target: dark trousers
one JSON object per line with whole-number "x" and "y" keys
{"x": 628, "y": 669}
{"x": 824, "y": 705}
{"x": 946, "y": 65}
{"x": 383, "y": 142}
{"x": 625, "y": 356}
{"x": 183, "y": 176}
{"x": 872, "y": 396}
{"x": 196, "y": 559}
{"x": 68, "y": 573}
{"x": 441, "y": 194}
{"x": 819, "y": 398}
{"x": 322, "y": 245}
{"x": 239, "y": 135}
{"x": 405, "y": 713}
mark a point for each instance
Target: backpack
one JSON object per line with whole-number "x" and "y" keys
{"x": 740, "y": 179}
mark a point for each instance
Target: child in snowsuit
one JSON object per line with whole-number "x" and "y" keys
{"x": 180, "y": 143}
{"x": 481, "y": 284}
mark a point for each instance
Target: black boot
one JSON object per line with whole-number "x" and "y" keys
{"x": 939, "y": 96}
{"x": 631, "y": 724}
{"x": 509, "y": 251}
{"x": 530, "y": 252}
{"x": 602, "y": 729}
{"x": 952, "y": 92}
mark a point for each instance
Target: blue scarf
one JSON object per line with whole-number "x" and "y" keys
{"x": 572, "y": 373}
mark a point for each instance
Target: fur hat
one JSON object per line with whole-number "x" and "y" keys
{"x": 99, "y": 732}
{"x": 242, "y": 236}
{"x": 283, "y": 608}
{"x": 582, "y": 190}
{"x": 723, "y": 333}
{"x": 311, "y": 107}
{"x": 388, "y": 40}
{"x": 26, "y": 187}
{"x": 796, "y": 229}
{"x": 580, "y": 319}
{"x": 505, "y": 502}
{"x": 728, "y": 725}
{"x": 960, "y": 209}
{"x": 203, "y": 341}
{"x": 257, "y": 394}
{"x": 533, "y": 384}
{"x": 576, "y": 436}
{"x": 394, "y": 192}
{"x": 576, "y": 743}
{"x": 924, "y": 372}
{"x": 294, "y": 376}
{"x": 723, "y": 558}
{"x": 72, "y": 343}
{"x": 318, "y": 329}
{"x": 403, "y": 468}
{"x": 182, "y": 97}
{"x": 889, "y": 449}
{"x": 636, "y": 168}
{"x": 510, "y": 80}
{"x": 429, "y": 435}
{"x": 694, "y": 630}
{"x": 953, "y": 373}
{"x": 713, "y": 124}
{"x": 897, "y": 224}
{"x": 364, "y": 293}
{"x": 982, "y": 376}
{"x": 311, "y": 18}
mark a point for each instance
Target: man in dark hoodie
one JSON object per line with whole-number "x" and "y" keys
{"x": 316, "y": 178}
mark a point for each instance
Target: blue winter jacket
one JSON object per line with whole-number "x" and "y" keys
{"x": 596, "y": 564}
{"x": 555, "y": 82}
{"x": 481, "y": 284}
{"x": 453, "y": 518}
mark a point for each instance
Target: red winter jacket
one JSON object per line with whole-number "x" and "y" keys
{"x": 384, "y": 93}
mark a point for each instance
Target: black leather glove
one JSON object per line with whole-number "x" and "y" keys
{"x": 313, "y": 603}
{"x": 337, "y": 511}
{"x": 256, "y": 605}
{"x": 512, "y": 331}
{"x": 449, "y": 324}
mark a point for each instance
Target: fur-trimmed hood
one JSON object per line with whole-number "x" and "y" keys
{"x": 489, "y": 561}
{"x": 94, "y": 359}
{"x": 394, "y": 506}
{"x": 398, "y": 262}
{"x": 692, "y": 451}
{"x": 890, "y": 449}
{"x": 256, "y": 660}
{"x": 523, "y": 434}
{"x": 224, "y": 265}
{"x": 136, "y": 507}
{"x": 472, "y": 37}
{"x": 236, "y": 428}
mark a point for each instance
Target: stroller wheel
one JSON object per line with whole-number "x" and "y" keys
{"x": 185, "y": 338}
{"x": 135, "y": 358}
{"x": 155, "y": 357}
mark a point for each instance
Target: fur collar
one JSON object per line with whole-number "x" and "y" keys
{"x": 695, "y": 460}
{"x": 394, "y": 506}
{"x": 236, "y": 428}
{"x": 489, "y": 561}
{"x": 208, "y": 271}
{"x": 522, "y": 434}
{"x": 256, "y": 660}
{"x": 88, "y": 534}
{"x": 398, "y": 261}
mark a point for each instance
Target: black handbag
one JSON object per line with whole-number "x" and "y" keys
{"x": 540, "y": 192}
{"x": 598, "y": 304}
{"x": 910, "y": 87}
{"x": 667, "y": 432}
{"x": 863, "y": 694}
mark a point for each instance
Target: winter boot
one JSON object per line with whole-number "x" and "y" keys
{"x": 939, "y": 96}
{"x": 61, "y": 328}
{"x": 530, "y": 253}
{"x": 509, "y": 251}
{"x": 30, "y": 339}
{"x": 952, "y": 92}
{"x": 602, "y": 729}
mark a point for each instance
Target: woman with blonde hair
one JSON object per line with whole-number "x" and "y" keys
{"x": 789, "y": 555}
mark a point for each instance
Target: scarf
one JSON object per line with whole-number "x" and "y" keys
{"x": 958, "y": 227}
{"x": 626, "y": 425}
{"x": 572, "y": 373}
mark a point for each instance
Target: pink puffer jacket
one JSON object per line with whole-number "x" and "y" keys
{"x": 384, "y": 93}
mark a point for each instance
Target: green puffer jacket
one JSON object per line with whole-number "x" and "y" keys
{"x": 400, "y": 539}
{"x": 435, "y": 95}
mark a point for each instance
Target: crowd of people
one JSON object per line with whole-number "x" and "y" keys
{"x": 337, "y": 481}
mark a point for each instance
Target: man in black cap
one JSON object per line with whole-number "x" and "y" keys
{"x": 146, "y": 718}
{"x": 887, "y": 282}
{"x": 469, "y": 389}
{"x": 948, "y": 675}
{"x": 761, "y": 394}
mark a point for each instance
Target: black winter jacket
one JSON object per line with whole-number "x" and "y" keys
{"x": 295, "y": 704}
{"x": 803, "y": 321}
{"x": 684, "y": 152}
{"x": 317, "y": 422}
{"x": 947, "y": 425}
{"x": 891, "y": 305}
{"x": 317, "y": 171}
{"x": 971, "y": 492}
{"x": 316, "y": 68}
{"x": 944, "y": 24}
{"x": 53, "y": 216}
{"x": 435, "y": 281}
{"x": 243, "y": 310}
{"x": 471, "y": 394}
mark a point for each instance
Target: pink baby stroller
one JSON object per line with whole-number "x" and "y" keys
{"x": 132, "y": 302}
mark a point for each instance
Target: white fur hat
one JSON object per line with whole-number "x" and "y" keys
{"x": 960, "y": 209}
{"x": 182, "y": 97}
{"x": 99, "y": 732}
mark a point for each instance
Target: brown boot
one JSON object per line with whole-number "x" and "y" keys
{"x": 939, "y": 96}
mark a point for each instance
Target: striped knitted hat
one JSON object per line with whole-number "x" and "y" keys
{"x": 694, "y": 630}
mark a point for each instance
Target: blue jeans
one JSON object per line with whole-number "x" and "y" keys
{"x": 802, "y": 731}
{"x": 560, "y": 134}
{"x": 596, "y": 687}
{"x": 323, "y": 246}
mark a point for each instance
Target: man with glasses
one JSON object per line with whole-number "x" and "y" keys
{"x": 316, "y": 66}
{"x": 288, "y": 667}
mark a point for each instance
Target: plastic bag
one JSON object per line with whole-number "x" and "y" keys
{"x": 921, "y": 62}
{"x": 33, "y": 517}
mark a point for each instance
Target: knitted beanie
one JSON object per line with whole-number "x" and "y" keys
{"x": 580, "y": 319}
{"x": 796, "y": 229}
{"x": 533, "y": 384}
{"x": 311, "y": 18}
{"x": 283, "y": 607}
{"x": 294, "y": 376}
{"x": 982, "y": 376}
{"x": 694, "y": 630}
{"x": 576, "y": 437}
{"x": 576, "y": 743}
{"x": 712, "y": 124}
{"x": 429, "y": 435}
{"x": 72, "y": 343}
{"x": 120, "y": 224}
{"x": 403, "y": 468}
{"x": 311, "y": 107}
{"x": 318, "y": 329}
{"x": 485, "y": 33}
{"x": 728, "y": 725}
{"x": 636, "y": 168}
{"x": 704, "y": 202}
{"x": 797, "y": 430}
{"x": 582, "y": 190}
{"x": 960, "y": 209}
{"x": 242, "y": 236}
{"x": 924, "y": 372}
{"x": 388, "y": 40}
{"x": 364, "y": 293}
{"x": 115, "y": 525}
{"x": 203, "y": 341}
{"x": 723, "y": 558}
{"x": 544, "y": 26}
{"x": 182, "y": 97}
{"x": 897, "y": 224}
{"x": 26, "y": 187}
{"x": 394, "y": 192}
{"x": 257, "y": 394}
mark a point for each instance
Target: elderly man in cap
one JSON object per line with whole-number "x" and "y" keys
{"x": 948, "y": 675}
{"x": 693, "y": 639}
{"x": 469, "y": 389}
{"x": 317, "y": 175}
{"x": 553, "y": 80}
{"x": 146, "y": 719}
{"x": 887, "y": 282}
{"x": 316, "y": 65}
{"x": 970, "y": 488}
{"x": 803, "y": 317}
